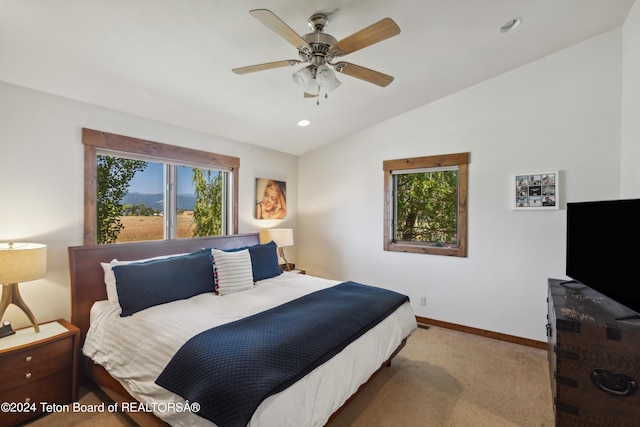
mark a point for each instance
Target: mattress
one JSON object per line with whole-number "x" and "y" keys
{"x": 135, "y": 349}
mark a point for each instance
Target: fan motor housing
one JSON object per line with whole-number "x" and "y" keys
{"x": 322, "y": 45}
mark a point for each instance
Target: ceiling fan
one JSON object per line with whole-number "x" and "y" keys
{"x": 320, "y": 49}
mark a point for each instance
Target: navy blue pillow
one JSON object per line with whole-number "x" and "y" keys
{"x": 264, "y": 261}
{"x": 147, "y": 284}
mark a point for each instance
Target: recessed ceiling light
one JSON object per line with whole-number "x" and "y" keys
{"x": 303, "y": 123}
{"x": 511, "y": 25}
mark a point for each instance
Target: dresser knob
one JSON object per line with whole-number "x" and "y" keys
{"x": 27, "y": 359}
{"x": 27, "y": 375}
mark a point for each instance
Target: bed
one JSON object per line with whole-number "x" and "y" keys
{"x": 116, "y": 355}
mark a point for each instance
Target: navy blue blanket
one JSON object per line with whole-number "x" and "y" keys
{"x": 229, "y": 370}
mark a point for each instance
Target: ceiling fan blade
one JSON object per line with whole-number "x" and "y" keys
{"x": 266, "y": 66}
{"x": 362, "y": 73}
{"x": 374, "y": 33}
{"x": 269, "y": 19}
{"x": 310, "y": 95}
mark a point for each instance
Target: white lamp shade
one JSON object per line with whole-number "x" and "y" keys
{"x": 282, "y": 236}
{"x": 305, "y": 80}
{"x": 313, "y": 88}
{"x": 325, "y": 76}
{"x": 22, "y": 262}
{"x": 333, "y": 84}
{"x": 303, "y": 77}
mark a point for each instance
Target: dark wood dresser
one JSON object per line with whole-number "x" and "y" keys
{"x": 594, "y": 358}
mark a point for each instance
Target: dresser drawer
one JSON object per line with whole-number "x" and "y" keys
{"x": 53, "y": 389}
{"x": 33, "y": 373}
{"x": 36, "y": 354}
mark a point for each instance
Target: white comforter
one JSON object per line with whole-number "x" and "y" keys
{"x": 136, "y": 349}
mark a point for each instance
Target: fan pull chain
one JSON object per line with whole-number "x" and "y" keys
{"x": 326, "y": 94}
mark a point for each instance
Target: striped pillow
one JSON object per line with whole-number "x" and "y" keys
{"x": 233, "y": 271}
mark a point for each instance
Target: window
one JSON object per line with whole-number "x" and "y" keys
{"x": 426, "y": 204}
{"x": 138, "y": 190}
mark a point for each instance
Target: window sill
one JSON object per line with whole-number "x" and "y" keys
{"x": 425, "y": 248}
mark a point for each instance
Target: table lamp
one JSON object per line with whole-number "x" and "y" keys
{"x": 282, "y": 237}
{"x": 20, "y": 262}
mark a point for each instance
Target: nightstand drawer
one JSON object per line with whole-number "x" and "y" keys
{"x": 34, "y": 372}
{"x": 53, "y": 389}
{"x": 31, "y": 356}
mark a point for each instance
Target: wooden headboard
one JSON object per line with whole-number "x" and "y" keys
{"x": 87, "y": 276}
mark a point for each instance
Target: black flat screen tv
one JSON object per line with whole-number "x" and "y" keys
{"x": 603, "y": 248}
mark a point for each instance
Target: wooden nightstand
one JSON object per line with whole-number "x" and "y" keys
{"x": 292, "y": 268}
{"x": 35, "y": 368}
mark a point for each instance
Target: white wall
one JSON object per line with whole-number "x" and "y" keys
{"x": 630, "y": 170}
{"x": 559, "y": 113}
{"x": 41, "y": 181}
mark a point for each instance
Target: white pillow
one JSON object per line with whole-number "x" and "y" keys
{"x": 110, "y": 277}
{"x": 233, "y": 271}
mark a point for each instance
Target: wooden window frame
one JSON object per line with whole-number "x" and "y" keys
{"x": 461, "y": 160}
{"x": 95, "y": 140}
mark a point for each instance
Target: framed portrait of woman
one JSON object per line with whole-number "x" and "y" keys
{"x": 271, "y": 199}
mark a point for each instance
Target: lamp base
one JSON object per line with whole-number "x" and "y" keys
{"x": 11, "y": 295}
{"x": 286, "y": 263}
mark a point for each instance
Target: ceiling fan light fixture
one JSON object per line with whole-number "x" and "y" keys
{"x": 303, "y": 77}
{"x": 313, "y": 89}
{"x": 319, "y": 49}
{"x": 334, "y": 83}
{"x": 325, "y": 76}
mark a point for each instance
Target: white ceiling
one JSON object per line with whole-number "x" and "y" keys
{"x": 171, "y": 60}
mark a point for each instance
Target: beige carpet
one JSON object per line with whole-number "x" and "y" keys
{"x": 441, "y": 378}
{"x": 449, "y": 378}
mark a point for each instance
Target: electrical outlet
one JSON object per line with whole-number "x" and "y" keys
{"x": 423, "y": 300}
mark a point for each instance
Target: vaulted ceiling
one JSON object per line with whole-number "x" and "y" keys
{"x": 171, "y": 60}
